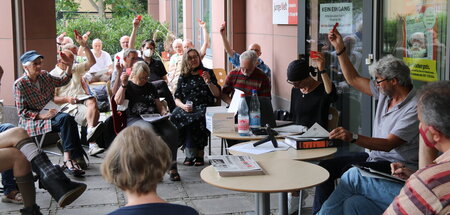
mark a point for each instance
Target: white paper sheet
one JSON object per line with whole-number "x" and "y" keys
{"x": 261, "y": 149}
{"x": 234, "y": 104}
{"x": 290, "y": 129}
{"x": 316, "y": 131}
{"x": 50, "y": 105}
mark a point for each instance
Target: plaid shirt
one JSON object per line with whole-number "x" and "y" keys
{"x": 30, "y": 100}
{"x": 257, "y": 80}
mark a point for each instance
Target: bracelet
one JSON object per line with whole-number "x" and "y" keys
{"x": 124, "y": 86}
{"x": 340, "y": 52}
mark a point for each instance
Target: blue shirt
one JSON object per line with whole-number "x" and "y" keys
{"x": 155, "y": 209}
{"x": 237, "y": 63}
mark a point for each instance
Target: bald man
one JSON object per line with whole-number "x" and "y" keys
{"x": 233, "y": 56}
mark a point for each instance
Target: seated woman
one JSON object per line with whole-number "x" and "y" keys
{"x": 33, "y": 91}
{"x": 143, "y": 99}
{"x": 310, "y": 99}
{"x": 198, "y": 85}
{"x": 136, "y": 162}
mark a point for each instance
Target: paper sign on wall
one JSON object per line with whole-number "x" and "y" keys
{"x": 284, "y": 12}
{"x": 422, "y": 69}
{"x": 336, "y": 12}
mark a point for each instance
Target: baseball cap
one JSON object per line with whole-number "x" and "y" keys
{"x": 30, "y": 56}
{"x": 298, "y": 70}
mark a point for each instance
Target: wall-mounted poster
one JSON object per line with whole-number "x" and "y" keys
{"x": 336, "y": 12}
{"x": 284, "y": 12}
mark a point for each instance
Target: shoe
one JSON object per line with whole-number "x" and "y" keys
{"x": 188, "y": 161}
{"x": 199, "y": 161}
{"x": 52, "y": 178}
{"x": 95, "y": 132}
{"x": 75, "y": 170}
{"x": 173, "y": 175}
{"x": 13, "y": 197}
{"x": 33, "y": 210}
{"x": 82, "y": 163}
{"x": 293, "y": 202}
{"x": 94, "y": 149}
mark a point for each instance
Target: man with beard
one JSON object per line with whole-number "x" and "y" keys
{"x": 395, "y": 126}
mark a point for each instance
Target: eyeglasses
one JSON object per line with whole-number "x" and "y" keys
{"x": 378, "y": 82}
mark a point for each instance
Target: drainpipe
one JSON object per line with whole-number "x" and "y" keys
{"x": 229, "y": 25}
{"x": 18, "y": 36}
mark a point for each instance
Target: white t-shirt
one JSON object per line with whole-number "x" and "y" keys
{"x": 102, "y": 63}
{"x": 74, "y": 87}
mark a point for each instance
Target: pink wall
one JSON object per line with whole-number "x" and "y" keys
{"x": 153, "y": 8}
{"x": 7, "y": 53}
{"x": 218, "y": 52}
{"x": 278, "y": 44}
{"x": 164, "y": 11}
{"x": 187, "y": 19}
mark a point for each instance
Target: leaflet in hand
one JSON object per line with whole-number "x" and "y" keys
{"x": 235, "y": 101}
{"x": 52, "y": 105}
{"x": 84, "y": 97}
{"x": 229, "y": 165}
{"x": 154, "y": 117}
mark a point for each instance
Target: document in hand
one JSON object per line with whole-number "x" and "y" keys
{"x": 369, "y": 172}
{"x": 154, "y": 117}
{"x": 229, "y": 165}
{"x": 314, "y": 137}
{"x": 53, "y": 105}
{"x": 235, "y": 101}
{"x": 84, "y": 97}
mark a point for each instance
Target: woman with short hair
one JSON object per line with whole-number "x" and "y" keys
{"x": 136, "y": 162}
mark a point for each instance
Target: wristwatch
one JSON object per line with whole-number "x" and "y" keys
{"x": 355, "y": 137}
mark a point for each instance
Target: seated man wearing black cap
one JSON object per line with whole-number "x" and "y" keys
{"x": 310, "y": 99}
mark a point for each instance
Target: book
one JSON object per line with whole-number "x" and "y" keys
{"x": 154, "y": 117}
{"x": 314, "y": 137}
{"x": 370, "y": 172}
{"x": 230, "y": 165}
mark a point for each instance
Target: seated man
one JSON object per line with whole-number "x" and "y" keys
{"x": 395, "y": 134}
{"x": 85, "y": 112}
{"x": 32, "y": 92}
{"x": 103, "y": 67}
{"x": 17, "y": 151}
{"x": 427, "y": 190}
{"x": 233, "y": 56}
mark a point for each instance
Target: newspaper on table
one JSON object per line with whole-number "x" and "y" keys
{"x": 230, "y": 165}
{"x": 154, "y": 117}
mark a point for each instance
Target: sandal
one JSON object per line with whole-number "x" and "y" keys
{"x": 189, "y": 161}
{"x": 75, "y": 170}
{"x": 13, "y": 197}
{"x": 173, "y": 175}
{"x": 199, "y": 161}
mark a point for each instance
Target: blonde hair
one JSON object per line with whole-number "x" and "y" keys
{"x": 139, "y": 68}
{"x": 136, "y": 161}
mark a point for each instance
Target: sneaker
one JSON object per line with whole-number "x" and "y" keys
{"x": 94, "y": 132}
{"x": 94, "y": 149}
{"x": 293, "y": 202}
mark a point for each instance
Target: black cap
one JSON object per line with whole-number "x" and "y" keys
{"x": 298, "y": 70}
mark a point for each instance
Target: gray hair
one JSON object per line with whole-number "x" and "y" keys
{"x": 69, "y": 46}
{"x": 28, "y": 63}
{"x": 96, "y": 40}
{"x": 390, "y": 67}
{"x": 433, "y": 105}
{"x": 177, "y": 41}
{"x": 127, "y": 52}
{"x": 249, "y": 55}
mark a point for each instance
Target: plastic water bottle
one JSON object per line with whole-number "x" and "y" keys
{"x": 243, "y": 119}
{"x": 255, "y": 112}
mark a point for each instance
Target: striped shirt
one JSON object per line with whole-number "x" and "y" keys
{"x": 427, "y": 191}
{"x": 257, "y": 80}
{"x": 31, "y": 99}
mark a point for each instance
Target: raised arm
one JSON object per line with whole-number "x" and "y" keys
{"x": 119, "y": 97}
{"x": 87, "y": 51}
{"x": 351, "y": 75}
{"x": 206, "y": 37}
{"x": 136, "y": 23}
{"x": 226, "y": 43}
{"x": 320, "y": 62}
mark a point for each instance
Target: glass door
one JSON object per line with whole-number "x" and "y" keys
{"x": 416, "y": 31}
{"x": 355, "y": 27}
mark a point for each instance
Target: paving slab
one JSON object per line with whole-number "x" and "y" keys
{"x": 203, "y": 189}
{"x": 96, "y": 197}
{"x": 223, "y": 205}
{"x": 88, "y": 210}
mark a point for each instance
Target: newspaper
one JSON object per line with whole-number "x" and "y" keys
{"x": 229, "y": 165}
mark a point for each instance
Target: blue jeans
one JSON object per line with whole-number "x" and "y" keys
{"x": 336, "y": 167}
{"x": 357, "y": 194}
{"x": 8, "y": 176}
{"x": 68, "y": 130}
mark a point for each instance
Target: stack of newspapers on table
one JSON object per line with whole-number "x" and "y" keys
{"x": 229, "y": 165}
{"x": 314, "y": 137}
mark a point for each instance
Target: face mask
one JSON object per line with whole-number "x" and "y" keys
{"x": 148, "y": 53}
{"x": 423, "y": 133}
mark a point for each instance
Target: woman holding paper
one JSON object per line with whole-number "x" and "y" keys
{"x": 143, "y": 99}
{"x": 197, "y": 88}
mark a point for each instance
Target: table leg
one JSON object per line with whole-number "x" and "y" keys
{"x": 264, "y": 203}
{"x": 300, "y": 204}
{"x": 282, "y": 204}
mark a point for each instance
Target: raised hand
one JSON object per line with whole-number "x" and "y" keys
{"x": 201, "y": 23}
{"x": 60, "y": 38}
{"x": 136, "y": 22}
{"x": 223, "y": 28}
{"x": 319, "y": 59}
{"x": 336, "y": 40}
{"x": 86, "y": 36}
{"x": 79, "y": 39}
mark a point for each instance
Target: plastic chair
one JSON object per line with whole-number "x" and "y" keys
{"x": 221, "y": 75}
